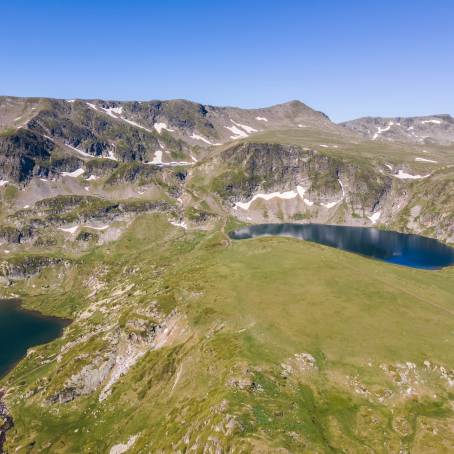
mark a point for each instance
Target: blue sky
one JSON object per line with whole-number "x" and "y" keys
{"x": 346, "y": 58}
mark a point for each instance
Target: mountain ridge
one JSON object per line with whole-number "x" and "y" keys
{"x": 437, "y": 128}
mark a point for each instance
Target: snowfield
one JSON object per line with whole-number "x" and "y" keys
{"x": 287, "y": 195}
{"x": 272, "y": 195}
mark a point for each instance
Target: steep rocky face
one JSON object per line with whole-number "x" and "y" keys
{"x": 24, "y": 267}
{"x": 434, "y": 129}
{"x": 271, "y": 182}
{"x": 291, "y": 172}
{"x": 93, "y": 131}
{"x": 136, "y": 130}
{"x": 22, "y": 154}
{"x": 6, "y": 422}
{"x": 205, "y": 125}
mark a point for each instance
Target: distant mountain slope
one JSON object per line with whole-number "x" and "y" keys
{"x": 193, "y": 123}
{"x": 154, "y": 132}
{"x": 434, "y": 129}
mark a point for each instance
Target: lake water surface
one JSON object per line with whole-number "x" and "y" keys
{"x": 21, "y": 329}
{"x": 409, "y": 250}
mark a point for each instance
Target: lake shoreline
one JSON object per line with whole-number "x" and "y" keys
{"x": 58, "y": 322}
{"x": 404, "y": 249}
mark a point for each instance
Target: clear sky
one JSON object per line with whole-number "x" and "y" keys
{"x": 346, "y": 58}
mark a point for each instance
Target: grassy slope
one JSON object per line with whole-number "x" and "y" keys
{"x": 359, "y": 148}
{"x": 250, "y": 306}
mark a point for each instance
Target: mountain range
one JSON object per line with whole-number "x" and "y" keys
{"x": 115, "y": 214}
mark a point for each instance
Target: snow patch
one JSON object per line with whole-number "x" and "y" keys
{"x": 406, "y": 176}
{"x": 157, "y": 159}
{"x": 436, "y": 122}
{"x": 3, "y": 183}
{"x": 160, "y": 126}
{"x": 248, "y": 129}
{"x": 92, "y": 106}
{"x": 272, "y": 195}
{"x": 71, "y": 230}
{"x": 281, "y": 195}
{"x": 70, "y": 100}
{"x": 287, "y": 195}
{"x": 330, "y": 204}
{"x": 203, "y": 139}
{"x": 92, "y": 178}
{"x": 103, "y": 227}
{"x": 261, "y": 119}
{"x": 239, "y": 134}
{"x": 335, "y": 202}
{"x": 111, "y": 156}
{"x": 81, "y": 152}
{"x": 375, "y": 217}
{"x": 425, "y": 160}
{"x": 123, "y": 447}
{"x": 133, "y": 123}
{"x": 301, "y": 191}
{"x": 390, "y": 167}
{"x": 181, "y": 224}
{"x": 342, "y": 187}
{"x": 75, "y": 174}
{"x": 380, "y": 130}
{"x": 113, "y": 110}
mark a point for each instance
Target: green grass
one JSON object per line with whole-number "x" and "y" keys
{"x": 250, "y": 306}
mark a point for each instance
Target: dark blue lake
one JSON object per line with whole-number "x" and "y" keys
{"x": 21, "y": 329}
{"x": 408, "y": 250}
